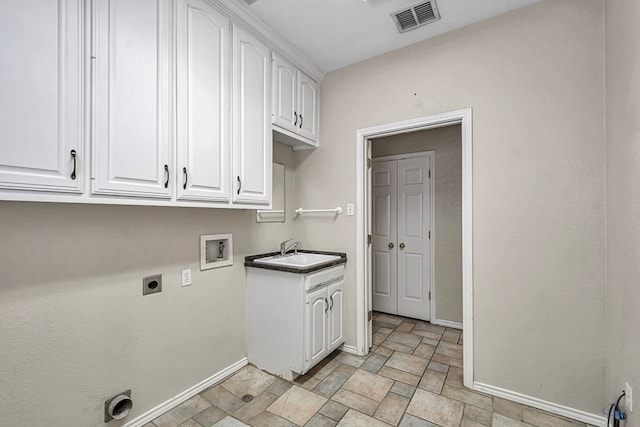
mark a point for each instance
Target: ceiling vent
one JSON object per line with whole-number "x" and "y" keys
{"x": 416, "y": 16}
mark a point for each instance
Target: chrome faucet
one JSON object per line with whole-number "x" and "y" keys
{"x": 284, "y": 248}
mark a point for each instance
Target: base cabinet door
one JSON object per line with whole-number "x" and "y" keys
{"x": 335, "y": 313}
{"x": 252, "y": 137}
{"x": 131, "y": 140}
{"x": 41, "y": 85}
{"x": 203, "y": 119}
{"x": 317, "y": 307}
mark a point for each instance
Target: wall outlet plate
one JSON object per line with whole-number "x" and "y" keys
{"x": 186, "y": 277}
{"x": 628, "y": 397}
{"x": 152, "y": 284}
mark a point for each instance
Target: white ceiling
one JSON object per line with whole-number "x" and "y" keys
{"x": 336, "y": 33}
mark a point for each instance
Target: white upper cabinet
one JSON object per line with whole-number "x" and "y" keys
{"x": 203, "y": 116}
{"x": 251, "y": 99}
{"x": 130, "y": 138}
{"x": 295, "y": 103}
{"x": 41, "y": 143}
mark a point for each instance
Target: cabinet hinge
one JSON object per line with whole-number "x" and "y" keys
{"x": 368, "y": 239}
{"x": 368, "y": 162}
{"x": 429, "y": 234}
{"x": 369, "y": 315}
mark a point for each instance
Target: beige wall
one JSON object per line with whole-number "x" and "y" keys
{"x": 534, "y": 79}
{"x": 623, "y": 198}
{"x": 74, "y": 326}
{"x": 446, "y": 142}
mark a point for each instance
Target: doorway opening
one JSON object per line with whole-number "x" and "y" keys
{"x": 364, "y": 220}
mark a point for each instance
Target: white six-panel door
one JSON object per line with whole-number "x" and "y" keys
{"x": 401, "y": 222}
{"x": 384, "y": 176}
{"x": 131, "y": 102}
{"x": 41, "y": 101}
{"x": 203, "y": 145}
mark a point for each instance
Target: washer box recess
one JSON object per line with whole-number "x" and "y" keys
{"x": 216, "y": 250}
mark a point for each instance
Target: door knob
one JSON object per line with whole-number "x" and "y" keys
{"x": 401, "y": 245}
{"x": 391, "y": 245}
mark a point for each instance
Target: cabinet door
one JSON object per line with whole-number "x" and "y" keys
{"x": 308, "y": 106}
{"x": 41, "y": 101}
{"x": 131, "y": 103}
{"x": 336, "y": 333}
{"x": 284, "y": 113}
{"x": 252, "y": 144}
{"x": 204, "y": 168}
{"x": 317, "y": 307}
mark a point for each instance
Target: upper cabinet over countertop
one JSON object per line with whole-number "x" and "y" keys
{"x": 143, "y": 102}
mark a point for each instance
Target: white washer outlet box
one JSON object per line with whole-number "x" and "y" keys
{"x": 186, "y": 277}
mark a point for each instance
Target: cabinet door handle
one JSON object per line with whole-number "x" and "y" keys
{"x": 166, "y": 174}
{"x": 326, "y": 305}
{"x": 186, "y": 177}
{"x": 300, "y": 121}
{"x": 239, "y": 185}
{"x": 295, "y": 121}
{"x": 391, "y": 245}
{"x": 402, "y": 246}
{"x": 73, "y": 156}
{"x": 331, "y": 298}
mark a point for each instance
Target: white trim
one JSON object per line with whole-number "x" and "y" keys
{"x": 349, "y": 349}
{"x": 464, "y": 118}
{"x": 402, "y": 156}
{"x": 447, "y": 323}
{"x": 187, "y": 394}
{"x": 554, "y": 408}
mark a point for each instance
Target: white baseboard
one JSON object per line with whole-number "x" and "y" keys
{"x": 554, "y": 408}
{"x": 186, "y": 395}
{"x": 349, "y": 349}
{"x": 447, "y": 323}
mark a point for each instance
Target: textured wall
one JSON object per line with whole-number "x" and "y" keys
{"x": 74, "y": 326}
{"x": 534, "y": 79}
{"x": 623, "y": 198}
{"x": 445, "y": 141}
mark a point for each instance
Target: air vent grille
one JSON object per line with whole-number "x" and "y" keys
{"x": 416, "y": 16}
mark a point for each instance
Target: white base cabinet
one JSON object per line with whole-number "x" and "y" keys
{"x": 295, "y": 320}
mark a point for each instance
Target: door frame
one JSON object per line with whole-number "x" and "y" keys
{"x": 431, "y": 155}
{"x": 363, "y": 259}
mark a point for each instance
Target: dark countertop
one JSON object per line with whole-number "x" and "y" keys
{"x": 249, "y": 262}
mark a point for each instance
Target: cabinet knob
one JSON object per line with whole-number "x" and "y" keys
{"x": 300, "y": 121}
{"x": 73, "y": 156}
{"x": 166, "y": 174}
{"x": 295, "y": 118}
{"x": 391, "y": 246}
{"x": 239, "y": 184}
{"x": 186, "y": 177}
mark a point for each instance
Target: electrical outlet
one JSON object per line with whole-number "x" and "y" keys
{"x": 186, "y": 277}
{"x": 350, "y": 209}
{"x": 628, "y": 397}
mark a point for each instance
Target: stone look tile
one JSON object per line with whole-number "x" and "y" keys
{"x": 253, "y": 408}
{"x": 398, "y": 375}
{"x": 449, "y": 349}
{"x": 437, "y": 409}
{"x": 182, "y": 412}
{"x": 397, "y": 347}
{"x": 447, "y": 360}
{"x": 333, "y": 410}
{"x": 477, "y": 415}
{"x": 279, "y": 387}
{"x": 403, "y": 389}
{"x": 430, "y": 341}
{"x": 223, "y": 399}
{"x": 330, "y": 384}
{"x": 210, "y": 416}
{"x": 502, "y": 421}
{"x": 426, "y": 326}
{"x": 466, "y": 422}
{"x": 267, "y": 419}
{"x": 411, "y": 421}
{"x": 391, "y": 409}
{"x": 387, "y": 318}
{"x": 190, "y": 423}
{"x": 374, "y": 363}
{"x": 319, "y": 420}
{"x": 542, "y": 419}
{"x": 324, "y": 368}
{"x": 384, "y": 351}
{"x": 454, "y": 377}
{"x": 409, "y": 363}
{"x": 378, "y": 338}
{"x": 385, "y": 331}
{"x": 356, "y": 401}
{"x": 249, "y": 380}
{"x": 437, "y": 366}
{"x": 405, "y": 326}
{"x": 369, "y": 385}
{"x": 229, "y": 422}
{"x": 451, "y": 335}
{"x": 350, "y": 359}
{"x": 405, "y": 339}
{"x": 467, "y": 396}
{"x": 297, "y": 405}
{"x": 426, "y": 334}
{"x": 507, "y": 408}
{"x": 307, "y": 382}
{"x": 356, "y": 419}
{"x": 432, "y": 381}
{"x": 424, "y": 350}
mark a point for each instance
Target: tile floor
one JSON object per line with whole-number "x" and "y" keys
{"x": 411, "y": 378}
